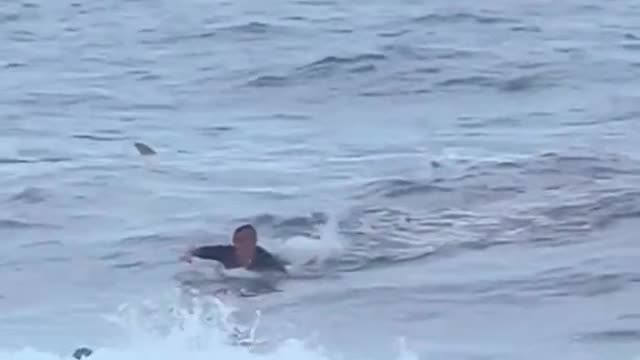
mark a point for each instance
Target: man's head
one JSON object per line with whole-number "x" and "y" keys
{"x": 245, "y": 239}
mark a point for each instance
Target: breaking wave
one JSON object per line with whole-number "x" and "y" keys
{"x": 197, "y": 329}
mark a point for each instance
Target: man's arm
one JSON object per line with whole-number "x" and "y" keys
{"x": 270, "y": 262}
{"x": 212, "y": 252}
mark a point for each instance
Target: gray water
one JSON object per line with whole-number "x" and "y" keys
{"x": 480, "y": 160}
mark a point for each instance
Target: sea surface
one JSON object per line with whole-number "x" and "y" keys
{"x": 466, "y": 174}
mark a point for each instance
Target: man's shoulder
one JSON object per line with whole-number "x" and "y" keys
{"x": 268, "y": 260}
{"x": 212, "y": 251}
{"x": 217, "y": 247}
{"x": 263, "y": 252}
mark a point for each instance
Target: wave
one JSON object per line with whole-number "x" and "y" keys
{"x": 547, "y": 200}
{"x": 458, "y": 17}
{"x": 20, "y": 224}
{"x": 195, "y": 329}
{"x": 323, "y": 68}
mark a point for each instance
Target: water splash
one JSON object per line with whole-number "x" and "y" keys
{"x": 308, "y": 255}
{"x": 197, "y": 328}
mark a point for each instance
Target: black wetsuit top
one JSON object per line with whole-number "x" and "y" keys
{"x": 263, "y": 260}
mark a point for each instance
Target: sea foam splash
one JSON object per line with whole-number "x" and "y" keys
{"x": 197, "y": 330}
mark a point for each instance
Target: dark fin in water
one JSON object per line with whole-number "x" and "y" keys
{"x": 144, "y": 149}
{"x": 82, "y": 352}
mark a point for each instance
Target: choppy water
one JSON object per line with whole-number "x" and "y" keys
{"x": 469, "y": 169}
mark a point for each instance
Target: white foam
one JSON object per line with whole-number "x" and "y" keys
{"x": 239, "y": 273}
{"x": 305, "y": 253}
{"x": 196, "y": 330}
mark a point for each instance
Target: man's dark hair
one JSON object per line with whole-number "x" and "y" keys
{"x": 245, "y": 227}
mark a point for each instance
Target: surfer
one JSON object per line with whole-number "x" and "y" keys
{"x": 244, "y": 253}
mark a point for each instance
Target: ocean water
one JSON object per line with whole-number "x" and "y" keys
{"x": 466, "y": 172}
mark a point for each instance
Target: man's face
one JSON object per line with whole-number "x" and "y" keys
{"x": 245, "y": 245}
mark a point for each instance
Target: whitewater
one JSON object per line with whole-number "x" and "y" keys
{"x": 198, "y": 333}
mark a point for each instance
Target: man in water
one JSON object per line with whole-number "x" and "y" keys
{"x": 244, "y": 253}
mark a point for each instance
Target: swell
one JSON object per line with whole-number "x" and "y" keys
{"x": 561, "y": 283}
{"x": 547, "y": 200}
{"x": 423, "y": 70}
{"x": 412, "y": 55}
{"x": 243, "y": 31}
{"x": 14, "y": 224}
{"x": 463, "y": 17}
{"x": 47, "y": 159}
{"x": 323, "y": 68}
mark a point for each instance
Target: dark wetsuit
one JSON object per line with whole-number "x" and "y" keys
{"x": 263, "y": 260}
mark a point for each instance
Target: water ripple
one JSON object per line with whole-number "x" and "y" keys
{"x": 31, "y": 195}
{"x": 20, "y": 224}
{"x": 438, "y": 18}
{"x": 617, "y": 335}
{"x": 466, "y": 212}
{"x": 321, "y": 69}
